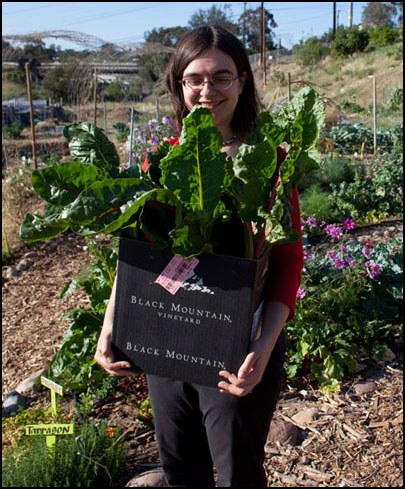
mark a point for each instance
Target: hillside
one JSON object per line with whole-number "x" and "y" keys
{"x": 343, "y": 80}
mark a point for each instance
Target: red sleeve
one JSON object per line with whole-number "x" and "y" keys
{"x": 172, "y": 141}
{"x": 286, "y": 263}
{"x": 287, "y": 260}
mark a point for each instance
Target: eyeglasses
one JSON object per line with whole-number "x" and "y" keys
{"x": 218, "y": 83}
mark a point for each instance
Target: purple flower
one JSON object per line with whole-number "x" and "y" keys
{"x": 344, "y": 250}
{"x": 339, "y": 263}
{"x": 301, "y": 293}
{"x": 350, "y": 260}
{"x": 307, "y": 255}
{"x": 348, "y": 224}
{"x": 311, "y": 221}
{"x": 373, "y": 269}
{"x": 305, "y": 271}
{"x": 322, "y": 224}
{"x": 332, "y": 254}
{"x": 329, "y": 229}
{"x": 366, "y": 252}
{"x": 154, "y": 140}
{"x": 337, "y": 232}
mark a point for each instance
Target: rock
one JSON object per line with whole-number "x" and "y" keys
{"x": 364, "y": 387}
{"x": 283, "y": 432}
{"x": 28, "y": 385}
{"x": 306, "y": 416}
{"x": 152, "y": 478}
{"x": 31, "y": 254}
{"x": 12, "y": 401}
{"x": 24, "y": 264}
{"x": 12, "y": 272}
{"x": 389, "y": 355}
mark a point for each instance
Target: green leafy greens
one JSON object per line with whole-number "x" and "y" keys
{"x": 193, "y": 197}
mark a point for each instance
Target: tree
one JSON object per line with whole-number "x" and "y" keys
{"x": 168, "y": 36}
{"x": 253, "y": 29}
{"x": 215, "y": 15}
{"x": 349, "y": 41}
{"x": 310, "y": 52}
{"x": 379, "y": 14}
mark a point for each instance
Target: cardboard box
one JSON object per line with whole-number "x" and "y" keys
{"x": 194, "y": 333}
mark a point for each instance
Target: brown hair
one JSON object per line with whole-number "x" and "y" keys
{"x": 190, "y": 47}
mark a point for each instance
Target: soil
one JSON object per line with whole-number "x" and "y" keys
{"x": 355, "y": 441}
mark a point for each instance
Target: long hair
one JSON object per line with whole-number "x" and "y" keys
{"x": 190, "y": 46}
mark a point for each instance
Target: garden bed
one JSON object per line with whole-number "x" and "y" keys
{"x": 356, "y": 439}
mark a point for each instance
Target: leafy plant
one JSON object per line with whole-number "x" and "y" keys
{"x": 93, "y": 196}
{"x": 74, "y": 363}
{"x": 92, "y": 457}
{"x": 349, "y": 300}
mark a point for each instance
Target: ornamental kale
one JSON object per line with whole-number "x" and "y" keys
{"x": 193, "y": 197}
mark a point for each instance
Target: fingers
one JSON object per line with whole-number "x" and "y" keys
{"x": 105, "y": 358}
{"x": 235, "y": 385}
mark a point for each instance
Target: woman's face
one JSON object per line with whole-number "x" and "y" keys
{"x": 211, "y": 64}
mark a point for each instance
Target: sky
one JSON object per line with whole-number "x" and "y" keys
{"x": 126, "y": 22}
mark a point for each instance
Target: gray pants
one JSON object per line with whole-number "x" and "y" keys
{"x": 197, "y": 427}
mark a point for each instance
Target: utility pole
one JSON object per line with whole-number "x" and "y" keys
{"x": 244, "y": 24}
{"x": 334, "y": 20}
{"x": 264, "y": 45}
{"x": 350, "y": 15}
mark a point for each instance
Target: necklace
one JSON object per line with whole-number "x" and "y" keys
{"x": 229, "y": 141}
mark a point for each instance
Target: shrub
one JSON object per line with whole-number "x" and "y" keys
{"x": 91, "y": 458}
{"x": 349, "y": 41}
{"x": 310, "y": 52}
{"x": 350, "y": 300}
{"x": 383, "y": 36}
{"x": 315, "y": 202}
{"x": 14, "y": 131}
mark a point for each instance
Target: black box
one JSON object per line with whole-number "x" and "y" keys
{"x": 194, "y": 333}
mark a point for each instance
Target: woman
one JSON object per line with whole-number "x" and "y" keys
{"x": 198, "y": 427}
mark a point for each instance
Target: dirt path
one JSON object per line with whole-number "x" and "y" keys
{"x": 355, "y": 440}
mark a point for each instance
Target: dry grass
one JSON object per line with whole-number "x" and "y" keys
{"x": 340, "y": 80}
{"x": 17, "y": 199}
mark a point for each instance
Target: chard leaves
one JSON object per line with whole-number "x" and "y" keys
{"x": 194, "y": 170}
{"x": 89, "y": 144}
{"x": 192, "y": 196}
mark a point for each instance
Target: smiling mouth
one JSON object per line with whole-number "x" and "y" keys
{"x": 210, "y": 105}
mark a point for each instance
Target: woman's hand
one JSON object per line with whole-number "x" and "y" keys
{"x": 251, "y": 371}
{"x": 105, "y": 357}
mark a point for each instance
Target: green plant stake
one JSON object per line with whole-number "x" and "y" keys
{"x": 50, "y": 430}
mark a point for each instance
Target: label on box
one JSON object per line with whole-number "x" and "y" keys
{"x": 176, "y": 273}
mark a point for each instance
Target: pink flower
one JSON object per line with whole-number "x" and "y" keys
{"x": 373, "y": 269}
{"x": 348, "y": 224}
{"x": 301, "y": 293}
{"x": 311, "y": 221}
{"x": 332, "y": 254}
{"x": 307, "y": 255}
{"x": 366, "y": 252}
{"x": 339, "y": 263}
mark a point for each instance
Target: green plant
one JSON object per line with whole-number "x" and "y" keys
{"x": 383, "y": 36}
{"x": 74, "y": 364}
{"x": 122, "y": 131}
{"x": 93, "y": 457}
{"x": 349, "y": 40}
{"x": 380, "y": 191}
{"x": 310, "y": 52}
{"x": 349, "y": 300}
{"x": 316, "y": 202}
{"x": 96, "y": 197}
{"x": 14, "y": 130}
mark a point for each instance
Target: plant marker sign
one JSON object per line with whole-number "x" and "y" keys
{"x": 50, "y": 430}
